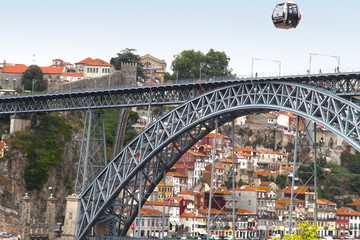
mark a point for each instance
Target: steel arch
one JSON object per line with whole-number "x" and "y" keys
{"x": 141, "y": 164}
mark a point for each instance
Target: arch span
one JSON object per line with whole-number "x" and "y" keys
{"x": 140, "y": 166}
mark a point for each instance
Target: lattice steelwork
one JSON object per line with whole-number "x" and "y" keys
{"x": 344, "y": 84}
{"x": 92, "y": 152}
{"x": 142, "y": 163}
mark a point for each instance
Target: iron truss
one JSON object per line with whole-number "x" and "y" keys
{"x": 346, "y": 84}
{"x": 139, "y": 167}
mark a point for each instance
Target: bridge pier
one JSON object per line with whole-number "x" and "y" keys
{"x": 71, "y": 212}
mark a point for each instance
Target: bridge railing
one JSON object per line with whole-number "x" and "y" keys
{"x": 195, "y": 80}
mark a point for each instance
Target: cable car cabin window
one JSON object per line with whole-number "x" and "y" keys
{"x": 278, "y": 14}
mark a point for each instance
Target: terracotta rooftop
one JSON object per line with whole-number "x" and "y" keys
{"x": 175, "y": 174}
{"x": 244, "y": 212}
{"x": 93, "y": 62}
{"x": 192, "y": 215}
{"x": 325, "y": 201}
{"x": 347, "y": 211}
{"x": 356, "y": 203}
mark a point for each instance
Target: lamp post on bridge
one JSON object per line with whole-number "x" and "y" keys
{"x": 33, "y": 85}
{"x": 337, "y": 58}
{"x": 260, "y": 59}
{"x": 201, "y": 66}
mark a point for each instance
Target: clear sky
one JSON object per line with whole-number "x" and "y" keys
{"x": 75, "y": 29}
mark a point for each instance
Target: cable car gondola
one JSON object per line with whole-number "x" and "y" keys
{"x": 286, "y": 15}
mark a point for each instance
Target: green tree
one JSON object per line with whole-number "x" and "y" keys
{"x": 128, "y": 56}
{"x": 281, "y": 181}
{"x": 307, "y": 232}
{"x": 355, "y": 183}
{"x": 351, "y": 162}
{"x": 33, "y": 77}
{"x": 189, "y": 62}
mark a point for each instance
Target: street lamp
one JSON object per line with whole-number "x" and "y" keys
{"x": 33, "y": 84}
{"x": 201, "y": 66}
{"x": 260, "y": 59}
{"x": 337, "y": 58}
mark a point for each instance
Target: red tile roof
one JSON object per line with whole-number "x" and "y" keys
{"x": 249, "y": 189}
{"x": 244, "y": 149}
{"x": 197, "y": 153}
{"x": 72, "y": 74}
{"x": 244, "y": 212}
{"x": 356, "y": 203}
{"x": 155, "y": 203}
{"x": 192, "y": 215}
{"x": 52, "y": 70}
{"x": 182, "y": 166}
{"x": 296, "y": 190}
{"x": 212, "y": 210}
{"x": 17, "y": 68}
{"x": 346, "y": 211}
{"x": 189, "y": 192}
{"x": 217, "y": 166}
{"x": 94, "y": 62}
{"x": 175, "y": 174}
{"x": 325, "y": 201}
{"x": 150, "y": 211}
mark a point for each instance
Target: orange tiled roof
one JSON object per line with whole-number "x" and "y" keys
{"x": 325, "y": 201}
{"x": 287, "y": 168}
{"x": 266, "y": 183}
{"x": 243, "y": 212}
{"x": 279, "y": 206}
{"x": 244, "y": 149}
{"x": 149, "y": 211}
{"x": 17, "y": 68}
{"x": 162, "y": 184}
{"x": 52, "y": 70}
{"x": 182, "y": 166}
{"x": 189, "y": 192}
{"x": 249, "y": 189}
{"x": 175, "y": 174}
{"x": 346, "y": 211}
{"x": 226, "y": 160}
{"x": 264, "y": 173}
{"x": 356, "y": 203}
{"x": 192, "y": 215}
{"x": 296, "y": 190}
{"x": 212, "y": 210}
{"x": 197, "y": 153}
{"x": 72, "y": 74}
{"x": 94, "y": 62}
{"x": 217, "y": 166}
{"x": 155, "y": 203}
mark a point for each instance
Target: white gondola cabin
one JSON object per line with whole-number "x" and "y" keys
{"x": 286, "y": 15}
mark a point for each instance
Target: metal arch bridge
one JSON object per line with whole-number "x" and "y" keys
{"x": 346, "y": 85}
{"x": 140, "y": 166}
{"x": 114, "y": 194}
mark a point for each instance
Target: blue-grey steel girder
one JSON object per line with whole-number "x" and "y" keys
{"x": 344, "y": 84}
{"x": 160, "y": 145}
